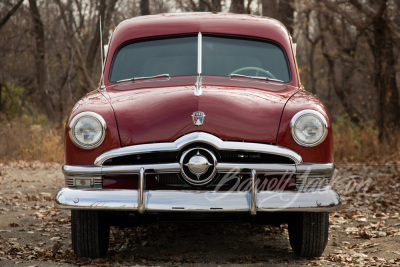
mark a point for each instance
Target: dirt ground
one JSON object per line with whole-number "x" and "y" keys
{"x": 365, "y": 232}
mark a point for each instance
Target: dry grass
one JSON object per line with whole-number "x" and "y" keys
{"x": 360, "y": 143}
{"x": 22, "y": 140}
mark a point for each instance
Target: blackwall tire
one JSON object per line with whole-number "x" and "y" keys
{"x": 308, "y": 233}
{"x": 90, "y": 233}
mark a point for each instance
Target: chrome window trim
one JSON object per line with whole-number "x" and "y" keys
{"x": 314, "y": 113}
{"x": 198, "y": 137}
{"x": 73, "y": 122}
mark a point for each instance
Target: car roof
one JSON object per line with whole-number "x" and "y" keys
{"x": 194, "y": 22}
{"x": 180, "y": 23}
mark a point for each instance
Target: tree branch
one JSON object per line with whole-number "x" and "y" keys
{"x": 10, "y": 13}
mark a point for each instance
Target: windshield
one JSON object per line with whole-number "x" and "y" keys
{"x": 221, "y": 56}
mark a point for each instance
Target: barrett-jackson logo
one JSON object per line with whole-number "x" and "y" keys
{"x": 198, "y": 118}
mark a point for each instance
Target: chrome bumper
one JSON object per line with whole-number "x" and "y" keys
{"x": 304, "y": 199}
{"x": 324, "y": 200}
{"x": 319, "y": 199}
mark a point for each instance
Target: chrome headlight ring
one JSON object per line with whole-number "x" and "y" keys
{"x": 309, "y": 128}
{"x": 87, "y": 130}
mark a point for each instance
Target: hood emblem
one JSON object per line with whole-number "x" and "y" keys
{"x": 198, "y": 166}
{"x": 198, "y": 118}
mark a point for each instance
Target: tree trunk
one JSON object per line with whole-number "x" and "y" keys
{"x": 1, "y": 99}
{"x": 270, "y": 8}
{"x": 286, "y": 14}
{"x": 237, "y": 6}
{"x": 216, "y": 6}
{"x": 385, "y": 79}
{"x": 46, "y": 93}
{"x": 144, "y": 7}
{"x": 282, "y": 10}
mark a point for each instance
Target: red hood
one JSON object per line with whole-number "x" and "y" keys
{"x": 161, "y": 110}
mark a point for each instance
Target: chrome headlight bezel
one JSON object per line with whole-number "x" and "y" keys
{"x": 301, "y": 114}
{"x": 97, "y": 119}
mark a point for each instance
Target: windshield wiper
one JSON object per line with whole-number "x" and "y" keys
{"x": 254, "y": 78}
{"x": 145, "y": 78}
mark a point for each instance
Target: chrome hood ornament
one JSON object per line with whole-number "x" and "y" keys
{"x": 198, "y": 118}
{"x": 197, "y": 87}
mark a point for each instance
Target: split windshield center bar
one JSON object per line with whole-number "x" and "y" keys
{"x": 199, "y": 52}
{"x": 197, "y": 87}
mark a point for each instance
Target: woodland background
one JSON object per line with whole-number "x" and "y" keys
{"x": 347, "y": 50}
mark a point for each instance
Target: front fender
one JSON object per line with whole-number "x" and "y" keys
{"x": 322, "y": 153}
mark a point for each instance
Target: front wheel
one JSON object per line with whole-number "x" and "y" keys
{"x": 90, "y": 233}
{"x": 308, "y": 233}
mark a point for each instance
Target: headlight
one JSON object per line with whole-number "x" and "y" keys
{"x": 309, "y": 128}
{"x": 87, "y": 130}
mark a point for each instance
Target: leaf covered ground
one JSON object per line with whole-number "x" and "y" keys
{"x": 365, "y": 232}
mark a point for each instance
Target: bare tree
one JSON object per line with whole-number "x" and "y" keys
{"x": 105, "y": 11}
{"x": 282, "y": 10}
{"x": 46, "y": 93}
{"x": 4, "y": 20}
{"x": 371, "y": 20}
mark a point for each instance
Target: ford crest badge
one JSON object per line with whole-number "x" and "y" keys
{"x": 198, "y": 118}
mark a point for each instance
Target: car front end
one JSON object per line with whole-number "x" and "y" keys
{"x": 199, "y": 120}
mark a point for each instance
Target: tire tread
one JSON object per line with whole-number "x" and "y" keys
{"x": 308, "y": 233}
{"x": 90, "y": 233}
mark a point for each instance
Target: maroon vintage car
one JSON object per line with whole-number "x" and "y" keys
{"x": 199, "y": 116}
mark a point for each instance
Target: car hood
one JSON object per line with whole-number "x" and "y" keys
{"x": 161, "y": 110}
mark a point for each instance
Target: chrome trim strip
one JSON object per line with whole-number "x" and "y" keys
{"x": 325, "y": 200}
{"x": 307, "y": 172}
{"x": 274, "y": 168}
{"x": 318, "y": 169}
{"x": 141, "y": 190}
{"x": 322, "y": 169}
{"x": 74, "y": 170}
{"x": 194, "y": 138}
{"x": 326, "y": 169}
{"x": 197, "y": 87}
{"x": 165, "y": 168}
{"x": 199, "y": 52}
{"x": 253, "y": 207}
